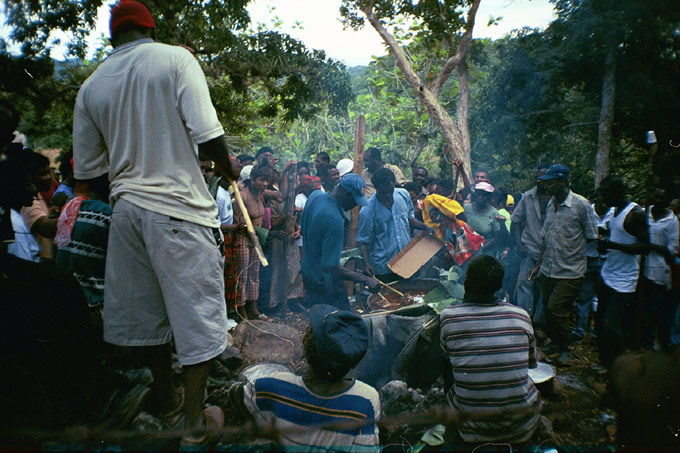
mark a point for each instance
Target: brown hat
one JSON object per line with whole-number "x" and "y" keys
{"x": 130, "y": 12}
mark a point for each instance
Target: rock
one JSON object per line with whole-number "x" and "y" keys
{"x": 147, "y": 422}
{"x": 260, "y": 341}
{"x": 231, "y": 358}
{"x": 397, "y": 397}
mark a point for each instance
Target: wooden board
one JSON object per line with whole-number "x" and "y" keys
{"x": 416, "y": 253}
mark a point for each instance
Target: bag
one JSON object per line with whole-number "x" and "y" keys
{"x": 466, "y": 242}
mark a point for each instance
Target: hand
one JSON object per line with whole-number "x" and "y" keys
{"x": 458, "y": 162}
{"x": 521, "y": 249}
{"x": 295, "y": 234}
{"x": 504, "y": 254}
{"x": 501, "y": 218}
{"x": 231, "y": 173}
{"x": 534, "y": 273}
{"x": 430, "y": 231}
{"x": 372, "y": 284}
{"x": 273, "y": 161}
{"x": 603, "y": 246}
{"x": 368, "y": 269}
{"x": 288, "y": 164}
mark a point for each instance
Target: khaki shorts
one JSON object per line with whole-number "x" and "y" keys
{"x": 164, "y": 279}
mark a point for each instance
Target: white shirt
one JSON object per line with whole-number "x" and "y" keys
{"x": 663, "y": 232}
{"x": 224, "y": 207}
{"x": 139, "y": 117}
{"x": 24, "y": 246}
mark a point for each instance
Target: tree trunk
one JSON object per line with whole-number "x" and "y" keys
{"x": 429, "y": 95}
{"x": 604, "y": 138}
{"x": 462, "y": 111}
{"x": 359, "y": 134}
{"x": 282, "y": 285}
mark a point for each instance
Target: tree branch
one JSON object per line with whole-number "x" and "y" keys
{"x": 458, "y": 57}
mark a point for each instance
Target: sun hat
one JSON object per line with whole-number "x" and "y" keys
{"x": 354, "y": 184}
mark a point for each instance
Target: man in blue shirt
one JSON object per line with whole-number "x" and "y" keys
{"x": 385, "y": 224}
{"x": 322, "y": 228}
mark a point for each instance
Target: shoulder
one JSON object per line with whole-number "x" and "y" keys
{"x": 365, "y": 390}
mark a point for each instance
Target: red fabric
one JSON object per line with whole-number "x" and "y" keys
{"x": 67, "y": 219}
{"x": 47, "y": 195}
{"x": 129, "y": 12}
{"x": 466, "y": 242}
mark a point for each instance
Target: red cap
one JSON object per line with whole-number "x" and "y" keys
{"x": 130, "y": 12}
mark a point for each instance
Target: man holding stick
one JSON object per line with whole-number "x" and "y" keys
{"x": 142, "y": 116}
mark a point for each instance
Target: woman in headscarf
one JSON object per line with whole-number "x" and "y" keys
{"x": 442, "y": 214}
{"x": 485, "y": 219}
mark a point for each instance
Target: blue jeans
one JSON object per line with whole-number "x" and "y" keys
{"x": 527, "y": 294}
{"x": 584, "y": 302}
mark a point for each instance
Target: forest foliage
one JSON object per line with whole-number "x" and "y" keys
{"x": 535, "y": 95}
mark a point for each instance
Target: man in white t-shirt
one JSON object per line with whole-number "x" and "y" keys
{"x": 142, "y": 116}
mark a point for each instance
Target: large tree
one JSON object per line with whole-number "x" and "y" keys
{"x": 254, "y": 75}
{"x": 445, "y": 24}
{"x": 625, "y": 53}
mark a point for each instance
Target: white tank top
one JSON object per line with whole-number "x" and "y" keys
{"x": 621, "y": 270}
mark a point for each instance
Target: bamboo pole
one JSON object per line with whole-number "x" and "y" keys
{"x": 359, "y": 134}
{"x": 249, "y": 224}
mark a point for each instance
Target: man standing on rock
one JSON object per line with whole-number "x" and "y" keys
{"x": 140, "y": 117}
{"x": 569, "y": 224}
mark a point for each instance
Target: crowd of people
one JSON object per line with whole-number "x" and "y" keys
{"x": 150, "y": 234}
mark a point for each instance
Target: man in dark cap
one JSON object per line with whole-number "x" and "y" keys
{"x": 142, "y": 116}
{"x": 322, "y": 227}
{"x": 569, "y": 224}
{"x": 303, "y": 407}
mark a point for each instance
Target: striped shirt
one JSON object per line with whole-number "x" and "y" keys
{"x": 284, "y": 400}
{"x": 490, "y": 347}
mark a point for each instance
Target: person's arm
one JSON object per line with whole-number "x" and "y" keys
{"x": 217, "y": 150}
{"x": 343, "y": 273}
{"x": 635, "y": 224}
{"x": 368, "y": 268}
{"x": 416, "y": 224}
{"x": 516, "y": 232}
{"x": 461, "y": 169}
{"x": 45, "y": 227}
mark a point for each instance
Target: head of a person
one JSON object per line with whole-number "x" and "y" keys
{"x": 335, "y": 341}
{"x": 302, "y": 170}
{"x": 350, "y": 192}
{"x": 540, "y": 171}
{"x": 413, "y": 191}
{"x": 309, "y": 184}
{"x": 130, "y": 20}
{"x": 345, "y": 166}
{"x": 321, "y": 158}
{"x": 329, "y": 176}
{"x": 16, "y": 191}
{"x": 444, "y": 188}
{"x": 481, "y": 175}
{"x": 483, "y": 193}
{"x": 373, "y": 159}
{"x": 675, "y": 206}
{"x": 420, "y": 174}
{"x": 484, "y": 276}
{"x": 555, "y": 180}
{"x": 612, "y": 190}
{"x": 207, "y": 168}
{"x": 37, "y": 166}
{"x": 383, "y": 180}
{"x": 431, "y": 185}
{"x": 661, "y": 197}
{"x": 245, "y": 159}
{"x": 498, "y": 198}
{"x": 259, "y": 179}
{"x": 264, "y": 155}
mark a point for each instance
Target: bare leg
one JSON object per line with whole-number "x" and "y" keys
{"x": 251, "y": 309}
{"x": 160, "y": 361}
{"x": 195, "y": 379}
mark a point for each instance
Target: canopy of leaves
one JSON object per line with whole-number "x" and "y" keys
{"x": 254, "y": 76}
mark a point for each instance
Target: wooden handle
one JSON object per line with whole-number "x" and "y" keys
{"x": 249, "y": 225}
{"x": 389, "y": 287}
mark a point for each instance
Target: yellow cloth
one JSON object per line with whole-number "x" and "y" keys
{"x": 450, "y": 208}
